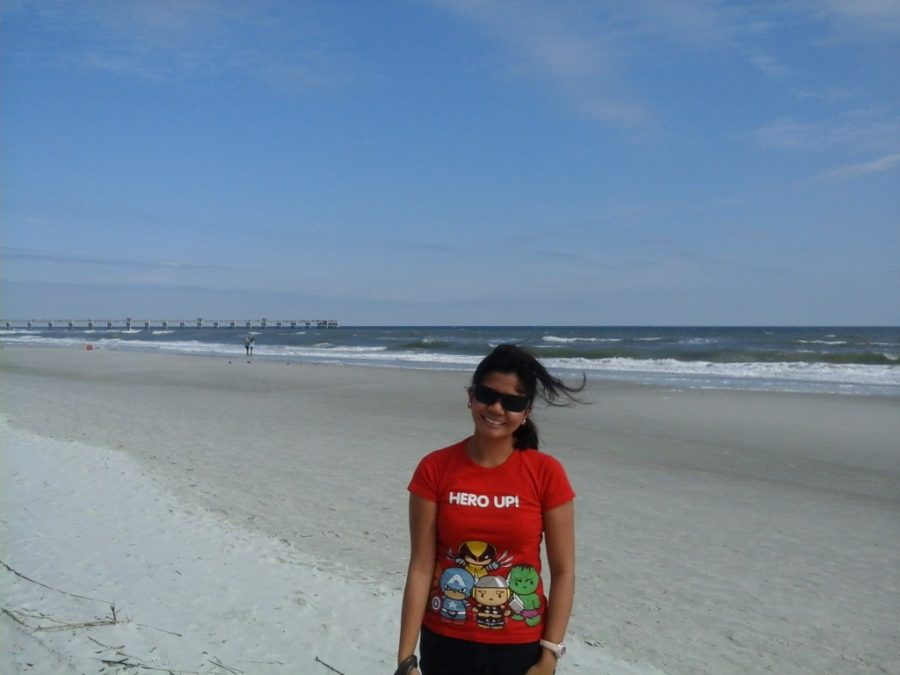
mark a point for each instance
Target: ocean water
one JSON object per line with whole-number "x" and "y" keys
{"x": 853, "y": 360}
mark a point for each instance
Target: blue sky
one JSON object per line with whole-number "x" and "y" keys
{"x": 452, "y": 161}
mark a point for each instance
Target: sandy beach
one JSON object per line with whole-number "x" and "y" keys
{"x": 251, "y": 517}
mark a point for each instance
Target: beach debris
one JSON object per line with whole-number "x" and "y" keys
{"x": 36, "y": 621}
{"x": 22, "y": 617}
{"x": 51, "y": 588}
{"x": 331, "y": 668}
{"x": 216, "y": 662}
{"x": 128, "y": 661}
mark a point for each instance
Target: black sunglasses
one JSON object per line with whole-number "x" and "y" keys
{"x": 510, "y": 402}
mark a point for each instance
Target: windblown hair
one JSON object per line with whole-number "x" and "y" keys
{"x": 537, "y": 382}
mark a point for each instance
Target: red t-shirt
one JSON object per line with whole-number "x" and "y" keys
{"x": 487, "y": 580}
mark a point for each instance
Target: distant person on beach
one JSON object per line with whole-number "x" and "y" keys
{"x": 247, "y": 342}
{"x": 252, "y": 342}
{"x": 474, "y": 597}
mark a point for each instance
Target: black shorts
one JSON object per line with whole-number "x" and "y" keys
{"x": 441, "y": 655}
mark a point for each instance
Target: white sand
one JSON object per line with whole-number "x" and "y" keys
{"x": 84, "y": 519}
{"x": 258, "y": 511}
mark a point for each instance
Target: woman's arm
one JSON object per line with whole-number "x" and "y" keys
{"x": 423, "y": 545}
{"x": 559, "y": 529}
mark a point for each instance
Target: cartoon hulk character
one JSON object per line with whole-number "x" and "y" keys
{"x": 523, "y": 582}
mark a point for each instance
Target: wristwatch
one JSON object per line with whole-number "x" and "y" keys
{"x": 558, "y": 649}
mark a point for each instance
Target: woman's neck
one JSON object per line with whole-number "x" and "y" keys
{"x": 489, "y": 452}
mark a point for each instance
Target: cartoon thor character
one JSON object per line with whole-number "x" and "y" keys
{"x": 490, "y": 597}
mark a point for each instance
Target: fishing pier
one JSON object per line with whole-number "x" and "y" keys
{"x": 164, "y": 324}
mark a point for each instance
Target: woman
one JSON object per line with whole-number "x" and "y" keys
{"x": 478, "y": 510}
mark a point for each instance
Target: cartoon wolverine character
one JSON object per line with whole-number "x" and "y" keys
{"x": 478, "y": 558}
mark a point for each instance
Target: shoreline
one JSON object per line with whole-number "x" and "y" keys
{"x": 631, "y": 358}
{"x": 716, "y": 531}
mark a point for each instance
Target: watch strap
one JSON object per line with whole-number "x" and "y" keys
{"x": 558, "y": 649}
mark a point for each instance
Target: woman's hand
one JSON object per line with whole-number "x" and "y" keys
{"x": 408, "y": 666}
{"x": 546, "y": 665}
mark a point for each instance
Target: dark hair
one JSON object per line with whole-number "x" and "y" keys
{"x": 538, "y": 384}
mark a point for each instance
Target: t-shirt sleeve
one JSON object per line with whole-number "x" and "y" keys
{"x": 555, "y": 487}
{"x": 424, "y": 482}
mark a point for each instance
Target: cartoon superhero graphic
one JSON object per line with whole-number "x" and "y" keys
{"x": 526, "y": 603}
{"x": 479, "y": 558}
{"x": 456, "y": 586}
{"x": 490, "y": 597}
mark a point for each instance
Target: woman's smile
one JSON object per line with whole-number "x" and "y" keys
{"x": 494, "y": 421}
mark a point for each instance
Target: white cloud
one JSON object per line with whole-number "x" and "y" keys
{"x": 880, "y": 165}
{"x": 592, "y": 55}
{"x": 829, "y": 94}
{"x": 860, "y": 17}
{"x": 770, "y": 66}
{"x": 871, "y": 129}
{"x": 572, "y": 52}
{"x": 12, "y": 253}
{"x": 789, "y": 133}
{"x": 698, "y": 23}
{"x": 171, "y": 40}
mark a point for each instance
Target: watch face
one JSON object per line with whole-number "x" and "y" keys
{"x": 562, "y": 650}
